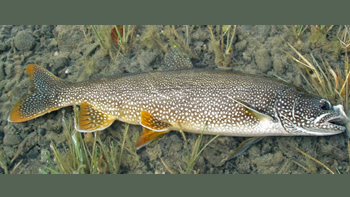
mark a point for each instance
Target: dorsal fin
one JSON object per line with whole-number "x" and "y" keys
{"x": 176, "y": 60}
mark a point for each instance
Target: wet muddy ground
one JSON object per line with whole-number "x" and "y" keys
{"x": 74, "y": 53}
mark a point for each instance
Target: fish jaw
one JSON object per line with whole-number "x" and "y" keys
{"x": 263, "y": 128}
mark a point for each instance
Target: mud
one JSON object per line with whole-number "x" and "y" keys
{"x": 74, "y": 53}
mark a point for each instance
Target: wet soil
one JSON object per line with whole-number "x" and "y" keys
{"x": 74, "y": 53}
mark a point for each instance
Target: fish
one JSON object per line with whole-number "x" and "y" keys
{"x": 202, "y": 101}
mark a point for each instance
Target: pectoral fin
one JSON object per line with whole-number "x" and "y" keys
{"x": 91, "y": 119}
{"x": 147, "y": 137}
{"x": 252, "y": 111}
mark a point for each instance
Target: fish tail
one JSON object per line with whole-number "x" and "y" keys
{"x": 44, "y": 97}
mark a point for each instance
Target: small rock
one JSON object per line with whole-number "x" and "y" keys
{"x": 2, "y": 74}
{"x": 17, "y": 62}
{"x": 3, "y": 47}
{"x": 28, "y": 54}
{"x": 33, "y": 153}
{"x": 1, "y": 135}
{"x": 10, "y": 139}
{"x": 9, "y": 151}
{"x": 47, "y": 30}
{"x": 2, "y": 83}
{"x": 24, "y": 41}
{"x": 74, "y": 55}
{"x": 241, "y": 45}
{"x": 263, "y": 60}
{"x": 8, "y": 70}
{"x": 59, "y": 63}
{"x": 42, "y": 131}
{"x": 44, "y": 155}
{"x": 90, "y": 50}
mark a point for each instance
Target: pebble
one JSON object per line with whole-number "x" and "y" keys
{"x": 42, "y": 131}
{"x": 2, "y": 74}
{"x": 1, "y": 135}
{"x": 11, "y": 139}
{"x": 241, "y": 45}
{"x": 8, "y": 70}
{"x": 3, "y": 47}
{"x": 263, "y": 60}
{"x": 24, "y": 41}
{"x": 44, "y": 155}
{"x": 33, "y": 153}
{"x": 58, "y": 63}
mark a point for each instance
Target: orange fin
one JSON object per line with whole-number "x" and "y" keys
{"x": 42, "y": 100}
{"x": 91, "y": 119}
{"x": 147, "y": 137}
{"x": 21, "y": 112}
{"x": 151, "y": 123}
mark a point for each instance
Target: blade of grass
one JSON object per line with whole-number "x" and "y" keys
{"x": 98, "y": 36}
{"x": 315, "y": 160}
{"x": 122, "y": 148}
{"x": 120, "y": 37}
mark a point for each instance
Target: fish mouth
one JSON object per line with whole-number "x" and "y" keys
{"x": 335, "y": 124}
{"x": 338, "y": 120}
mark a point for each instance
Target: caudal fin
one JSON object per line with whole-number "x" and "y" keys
{"x": 43, "y": 100}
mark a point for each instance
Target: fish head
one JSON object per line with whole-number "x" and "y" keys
{"x": 305, "y": 114}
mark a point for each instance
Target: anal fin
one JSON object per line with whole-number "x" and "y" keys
{"x": 148, "y": 121}
{"x": 147, "y": 137}
{"x": 91, "y": 119}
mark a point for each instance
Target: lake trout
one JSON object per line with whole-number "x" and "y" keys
{"x": 198, "y": 101}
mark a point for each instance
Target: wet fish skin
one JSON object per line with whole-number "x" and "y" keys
{"x": 226, "y": 103}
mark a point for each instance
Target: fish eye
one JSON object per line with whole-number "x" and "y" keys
{"x": 325, "y": 105}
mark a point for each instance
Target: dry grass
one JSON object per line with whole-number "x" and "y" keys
{"x": 313, "y": 159}
{"x": 222, "y": 45}
{"x": 323, "y": 79}
{"x": 196, "y": 151}
{"x": 103, "y": 34}
{"x": 180, "y": 41}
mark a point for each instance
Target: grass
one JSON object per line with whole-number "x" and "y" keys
{"x": 297, "y": 30}
{"x": 126, "y": 38}
{"x": 196, "y": 151}
{"x": 178, "y": 41}
{"x": 324, "y": 80}
{"x": 313, "y": 159}
{"x": 192, "y": 156}
{"x": 222, "y": 50}
{"x": 85, "y": 153}
{"x": 344, "y": 37}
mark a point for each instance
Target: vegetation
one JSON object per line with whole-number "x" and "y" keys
{"x": 222, "y": 49}
{"x": 121, "y": 42}
{"x": 85, "y": 153}
{"x": 325, "y": 80}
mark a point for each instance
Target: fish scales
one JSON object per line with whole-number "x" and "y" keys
{"x": 198, "y": 101}
{"x": 187, "y": 99}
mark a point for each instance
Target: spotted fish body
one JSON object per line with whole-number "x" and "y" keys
{"x": 198, "y": 101}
